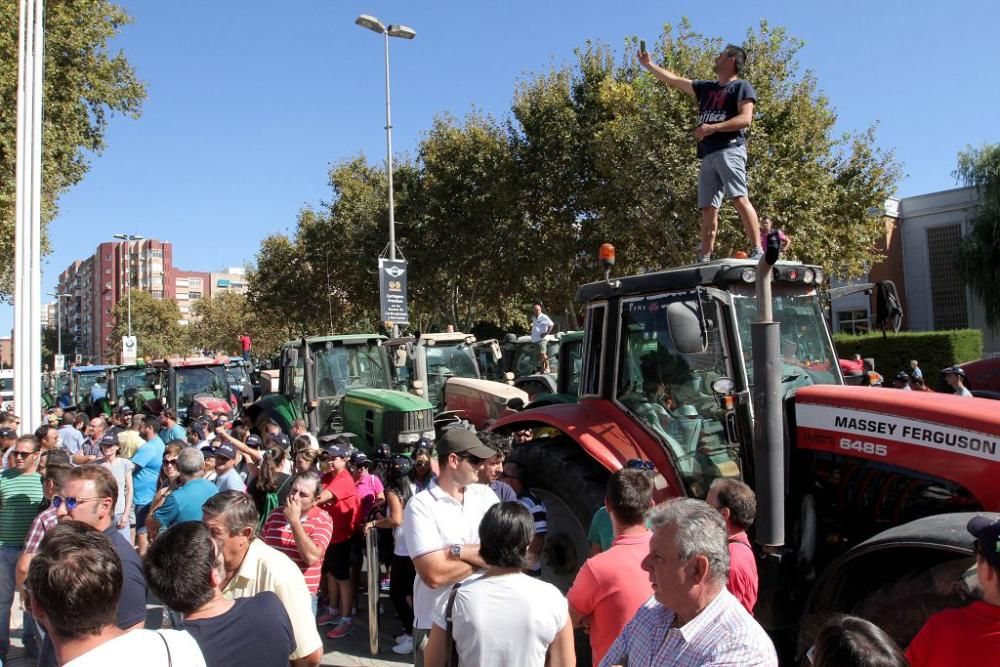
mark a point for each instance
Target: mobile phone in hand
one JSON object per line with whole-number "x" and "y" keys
{"x": 642, "y": 46}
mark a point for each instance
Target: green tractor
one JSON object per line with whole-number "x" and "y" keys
{"x": 342, "y": 384}
{"x": 567, "y": 376}
{"x": 132, "y": 386}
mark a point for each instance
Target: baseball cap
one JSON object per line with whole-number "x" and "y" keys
{"x": 903, "y": 376}
{"x": 987, "y": 533}
{"x": 954, "y": 370}
{"x": 7, "y": 433}
{"x": 109, "y": 441}
{"x": 281, "y": 439}
{"x": 224, "y": 451}
{"x": 221, "y": 422}
{"x": 463, "y": 441}
{"x": 199, "y": 428}
{"x": 358, "y": 458}
{"x": 337, "y": 451}
{"x": 253, "y": 441}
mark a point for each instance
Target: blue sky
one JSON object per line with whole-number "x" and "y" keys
{"x": 250, "y": 102}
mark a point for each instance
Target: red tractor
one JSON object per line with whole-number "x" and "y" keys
{"x": 706, "y": 371}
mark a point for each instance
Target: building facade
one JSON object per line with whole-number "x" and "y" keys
{"x": 230, "y": 279}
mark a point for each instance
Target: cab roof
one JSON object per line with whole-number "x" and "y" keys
{"x": 91, "y": 369}
{"x": 719, "y": 273}
{"x": 345, "y": 339}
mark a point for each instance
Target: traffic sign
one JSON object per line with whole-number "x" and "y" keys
{"x": 128, "y": 349}
{"x": 59, "y": 364}
{"x": 392, "y": 290}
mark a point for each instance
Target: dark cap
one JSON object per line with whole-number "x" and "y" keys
{"x": 221, "y": 422}
{"x": 109, "y": 441}
{"x": 902, "y": 376}
{"x": 199, "y": 429}
{"x": 359, "y": 458}
{"x": 253, "y": 441}
{"x": 954, "y": 370}
{"x": 224, "y": 451}
{"x": 463, "y": 441}
{"x": 336, "y": 450}
{"x": 987, "y": 532}
{"x": 7, "y": 433}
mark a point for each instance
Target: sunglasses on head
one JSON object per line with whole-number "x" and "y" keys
{"x": 71, "y": 502}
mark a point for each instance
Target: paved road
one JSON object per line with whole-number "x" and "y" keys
{"x": 350, "y": 651}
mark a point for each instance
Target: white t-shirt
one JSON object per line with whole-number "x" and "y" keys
{"x": 145, "y": 646}
{"x": 433, "y": 521}
{"x": 518, "y": 638}
{"x": 964, "y": 391}
{"x": 539, "y": 327}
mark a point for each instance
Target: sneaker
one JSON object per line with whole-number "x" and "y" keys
{"x": 404, "y": 647}
{"x": 384, "y": 584}
{"x": 756, "y": 254}
{"x": 703, "y": 259}
{"x": 342, "y": 629}
{"x": 329, "y": 618}
{"x": 399, "y": 638}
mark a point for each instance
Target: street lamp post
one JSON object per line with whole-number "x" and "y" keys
{"x": 403, "y": 32}
{"x": 59, "y": 297}
{"x": 128, "y": 238}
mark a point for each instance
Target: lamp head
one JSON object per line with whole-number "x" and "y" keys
{"x": 370, "y": 22}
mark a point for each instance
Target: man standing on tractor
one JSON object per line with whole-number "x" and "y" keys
{"x": 541, "y": 326}
{"x": 245, "y": 346}
{"x": 725, "y": 112}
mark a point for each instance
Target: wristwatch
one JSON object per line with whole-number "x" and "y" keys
{"x": 456, "y": 550}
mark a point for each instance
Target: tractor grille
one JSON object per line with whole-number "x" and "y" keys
{"x": 394, "y": 423}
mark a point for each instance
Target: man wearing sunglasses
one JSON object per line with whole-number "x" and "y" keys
{"x": 20, "y": 499}
{"x": 441, "y": 526}
{"x": 969, "y": 635}
{"x": 89, "y": 495}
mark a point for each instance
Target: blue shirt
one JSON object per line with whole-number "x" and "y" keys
{"x": 148, "y": 460}
{"x": 175, "y": 432}
{"x": 71, "y": 439}
{"x": 185, "y": 503}
{"x": 231, "y": 481}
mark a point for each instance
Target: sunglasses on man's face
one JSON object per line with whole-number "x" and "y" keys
{"x": 639, "y": 464}
{"x": 21, "y": 455}
{"x": 71, "y": 502}
{"x": 474, "y": 461}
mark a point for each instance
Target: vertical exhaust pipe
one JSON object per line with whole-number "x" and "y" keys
{"x": 768, "y": 445}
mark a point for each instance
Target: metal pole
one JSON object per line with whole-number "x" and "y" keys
{"x": 58, "y": 325}
{"x": 128, "y": 281}
{"x": 388, "y": 161}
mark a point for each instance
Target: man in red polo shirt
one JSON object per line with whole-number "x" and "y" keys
{"x": 738, "y": 505}
{"x": 302, "y": 530}
{"x": 611, "y": 586}
{"x": 339, "y": 498}
{"x": 968, "y": 635}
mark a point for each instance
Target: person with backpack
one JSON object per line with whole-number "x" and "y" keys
{"x": 301, "y": 529}
{"x": 269, "y": 487}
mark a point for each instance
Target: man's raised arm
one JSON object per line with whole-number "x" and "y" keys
{"x": 665, "y": 75}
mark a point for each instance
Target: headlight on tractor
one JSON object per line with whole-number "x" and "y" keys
{"x": 408, "y": 438}
{"x": 428, "y": 435}
{"x": 748, "y": 275}
{"x": 809, "y": 276}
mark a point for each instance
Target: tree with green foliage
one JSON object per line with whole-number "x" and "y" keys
{"x": 83, "y": 84}
{"x": 978, "y": 260}
{"x": 155, "y": 325}
{"x": 219, "y": 321}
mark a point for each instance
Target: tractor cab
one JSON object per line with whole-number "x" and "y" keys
{"x": 344, "y": 384}
{"x": 89, "y": 389}
{"x": 193, "y": 387}
{"x": 132, "y": 386}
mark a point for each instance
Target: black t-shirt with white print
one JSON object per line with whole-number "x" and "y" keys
{"x": 716, "y": 104}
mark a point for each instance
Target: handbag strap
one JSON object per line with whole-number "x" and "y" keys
{"x": 170, "y": 662}
{"x": 449, "y": 638}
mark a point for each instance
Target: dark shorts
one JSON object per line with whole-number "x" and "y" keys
{"x": 337, "y": 560}
{"x": 141, "y": 514}
{"x": 357, "y": 550}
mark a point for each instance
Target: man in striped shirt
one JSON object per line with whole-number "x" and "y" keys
{"x": 692, "y": 619}
{"x": 301, "y": 530}
{"x": 20, "y": 499}
{"x": 516, "y": 475}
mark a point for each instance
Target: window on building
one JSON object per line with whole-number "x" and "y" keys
{"x": 853, "y": 321}
{"x": 947, "y": 291}
{"x": 107, "y": 297}
{"x": 156, "y": 253}
{"x": 194, "y": 295}
{"x": 157, "y": 294}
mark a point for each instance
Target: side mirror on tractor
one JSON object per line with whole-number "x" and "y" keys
{"x": 686, "y": 328}
{"x": 289, "y": 357}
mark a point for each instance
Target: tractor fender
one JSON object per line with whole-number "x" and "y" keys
{"x": 605, "y": 432}
{"x": 896, "y": 578}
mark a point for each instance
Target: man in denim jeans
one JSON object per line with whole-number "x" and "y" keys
{"x": 20, "y": 499}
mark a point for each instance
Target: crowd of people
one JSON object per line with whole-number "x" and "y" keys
{"x": 253, "y": 544}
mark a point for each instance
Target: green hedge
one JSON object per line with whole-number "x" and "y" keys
{"x": 933, "y": 349}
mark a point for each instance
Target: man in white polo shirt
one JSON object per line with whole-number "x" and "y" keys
{"x": 441, "y": 525}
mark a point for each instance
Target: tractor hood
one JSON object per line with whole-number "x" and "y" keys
{"x": 203, "y": 404}
{"x": 501, "y": 391}
{"x": 387, "y": 398}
